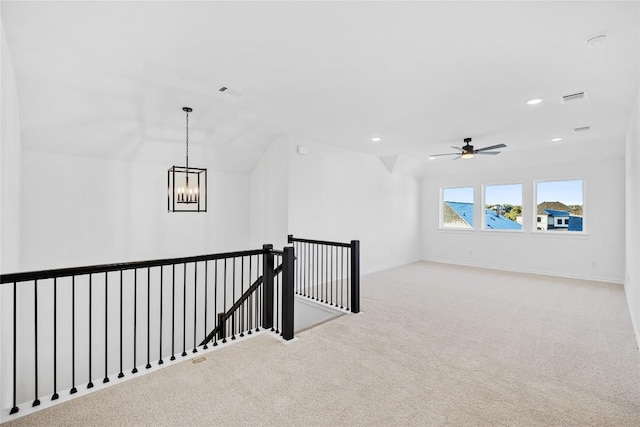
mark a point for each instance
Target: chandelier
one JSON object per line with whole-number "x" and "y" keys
{"x": 187, "y": 186}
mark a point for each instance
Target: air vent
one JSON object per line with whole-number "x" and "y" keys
{"x": 574, "y": 97}
{"x": 583, "y": 129}
{"x": 230, "y": 92}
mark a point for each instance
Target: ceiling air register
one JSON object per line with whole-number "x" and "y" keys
{"x": 187, "y": 186}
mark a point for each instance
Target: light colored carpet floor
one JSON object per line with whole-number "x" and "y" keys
{"x": 435, "y": 345}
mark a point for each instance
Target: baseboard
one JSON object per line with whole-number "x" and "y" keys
{"x": 634, "y": 321}
{"x": 537, "y": 272}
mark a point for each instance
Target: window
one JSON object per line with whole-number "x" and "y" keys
{"x": 560, "y": 206}
{"x": 503, "y": 207}
{"x": 457, "y": 208}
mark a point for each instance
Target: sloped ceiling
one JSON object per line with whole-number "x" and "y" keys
{"x": 109, "y": 79}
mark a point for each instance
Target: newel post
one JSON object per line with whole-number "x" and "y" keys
{"x": 288, "y": 278}
{"x": 355, "y": 276}
{"x": 267, "y": 275}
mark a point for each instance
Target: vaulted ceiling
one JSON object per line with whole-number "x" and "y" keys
{"x": 109, "y": 79}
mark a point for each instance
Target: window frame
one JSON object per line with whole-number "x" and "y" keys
{"x": 483, "y": 217}
{"x": 441, "y": 209}
{"x": 546, "y": 232}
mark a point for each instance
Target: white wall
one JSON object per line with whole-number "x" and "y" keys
{"x": 343, "y": 195}
{"x": 11, "y": 164}
{"x": 269, "y": 196}
{"x": 632, "y": 210}
{"x": 10, "y": 187}
{"x": 80, "y": 211}
{"x": 567, "y": 255}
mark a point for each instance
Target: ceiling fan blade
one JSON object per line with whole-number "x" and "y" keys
{"x": 488, "y": 152}
{"x": 456, "y": 158}
{"x": 446, "y": 154}
{"x": 492, "y": 147}
{"x": 456, "y": 148}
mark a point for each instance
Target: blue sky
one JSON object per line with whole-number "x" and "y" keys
{"x": 567, "y": 192}
{"x": 462, "y": 195}
{"x": 510, "y": 194}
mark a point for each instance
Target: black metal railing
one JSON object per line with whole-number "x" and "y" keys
{"x": 75, "y": 326}
{"x": 328, "y": 272}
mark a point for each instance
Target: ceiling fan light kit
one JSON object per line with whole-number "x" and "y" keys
{"x": 187, "y": 186}
{"x": 467, "y": 151}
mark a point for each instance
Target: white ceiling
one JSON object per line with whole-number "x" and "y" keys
{"x": 109, "y": 79}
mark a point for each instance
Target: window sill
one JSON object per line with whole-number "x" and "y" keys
{"x": 560, "y": 234}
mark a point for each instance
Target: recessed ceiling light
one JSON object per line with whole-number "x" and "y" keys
{"x": 432, "y": 157}
{"x": 376, "y": 139}
{"x": 596, "y": 41}
{"x": 556, "y": 139}
{"x": 534, "y": 101}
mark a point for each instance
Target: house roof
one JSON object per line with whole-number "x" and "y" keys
{"x": 556, "y": 206}
{"x": 458, "y": 213}
{"x": 464, "y": 212}
{"x": 556, "y": 213}
{"x": 499, "y": 222}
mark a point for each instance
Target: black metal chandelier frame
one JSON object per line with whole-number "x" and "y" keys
{"x": 187, "y": 186}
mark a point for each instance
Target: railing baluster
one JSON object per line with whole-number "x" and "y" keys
{"x": 233, "y": 298}
{"x": 106, "y": 324}
{"x": 173, "y": 312}
{"x": 160, "y": 362}
{"x": 215, "y": 302}
{"x": 90, "y": 384}
{"x": 308, "y": 272}
{"x": 326, "y": 272}
{"x": 15, "y": 408}
{"x": 257, "y": 295}
{"x": 135, "y": 321}
{"x": 195, "y": 304}
{"x": 249, "y": 311}
{"x": 36, "y": 401}
{"x": 184, "y": 311}
{"x": 241, "y": 308}
{"x": 341, "y": 277}
{"x": 349, "y": 274}
{"x": 148, "y": 365}
{"x": 121, "y": 374}
{"x": 331, "y": 276}
{"x": 277, "y": 300}
{"x": 224, "y": 301}
{"x": 55, "y": 339}
{"x": 73, "y": 336}
{"x": 206, "y": 301}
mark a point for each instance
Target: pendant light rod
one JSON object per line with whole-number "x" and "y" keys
{"x": 187, "y": 110}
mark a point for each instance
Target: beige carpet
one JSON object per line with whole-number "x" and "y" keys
{"x": 435, "y": 345}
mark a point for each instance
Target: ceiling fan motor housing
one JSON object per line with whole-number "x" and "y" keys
{"x": 468, "y": 148}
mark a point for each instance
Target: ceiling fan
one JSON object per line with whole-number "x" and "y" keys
{"x": 467, "y": 151}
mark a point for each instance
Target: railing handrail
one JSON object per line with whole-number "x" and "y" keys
{"x": 292, "y": 239}
{"x": 102, "y": 268}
